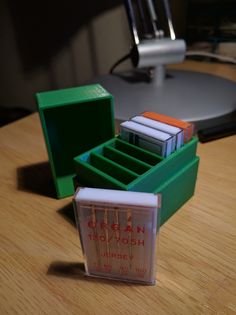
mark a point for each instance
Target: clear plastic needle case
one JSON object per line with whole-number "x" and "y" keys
{"x": 118, "y": 232}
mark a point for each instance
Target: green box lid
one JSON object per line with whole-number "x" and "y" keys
{"x": 74, "y": 120}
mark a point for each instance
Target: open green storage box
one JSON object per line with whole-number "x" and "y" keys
{"x": 78, "y": 126}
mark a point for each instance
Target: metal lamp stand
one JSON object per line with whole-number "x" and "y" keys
{"x": 188, "y": 95}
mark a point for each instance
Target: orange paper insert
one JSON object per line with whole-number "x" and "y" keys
{"x": 187, "y": 127}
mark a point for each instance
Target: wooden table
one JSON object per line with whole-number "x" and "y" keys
{"x": 41, "y": 260}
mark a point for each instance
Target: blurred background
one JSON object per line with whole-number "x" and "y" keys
{"x": 52, "y": 44}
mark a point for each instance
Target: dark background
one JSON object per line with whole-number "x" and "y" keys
{"x": 41, "y": 48}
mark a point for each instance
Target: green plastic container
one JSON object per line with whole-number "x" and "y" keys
{"x": 120, "y": 165}
{"x": 78, "y": 126}
{"x": 73, "y": 121}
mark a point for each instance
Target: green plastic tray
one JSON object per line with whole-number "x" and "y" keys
{"x": 120, "y": 165}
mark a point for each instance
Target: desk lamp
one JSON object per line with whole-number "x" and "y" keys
{"x": 187, "y": 95}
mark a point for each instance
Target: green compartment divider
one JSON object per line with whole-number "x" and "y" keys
{"x": 167, "y": 168}
{"x": 135, "y": 165}
{"x": 85, "y": 159}
{"x": 136, "y": 152}
{"x": 90, "y": 176}
{"x": 111, "y": 168}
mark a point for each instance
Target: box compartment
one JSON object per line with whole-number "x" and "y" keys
{"x": 120, "y": 165}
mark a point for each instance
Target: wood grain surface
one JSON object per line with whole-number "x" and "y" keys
{"x": 41, "y": 263}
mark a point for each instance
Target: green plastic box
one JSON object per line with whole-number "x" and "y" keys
{"x": 78, "y": 126}
{"x": 73, "y": 121}
{"x": 120, "y": 165}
